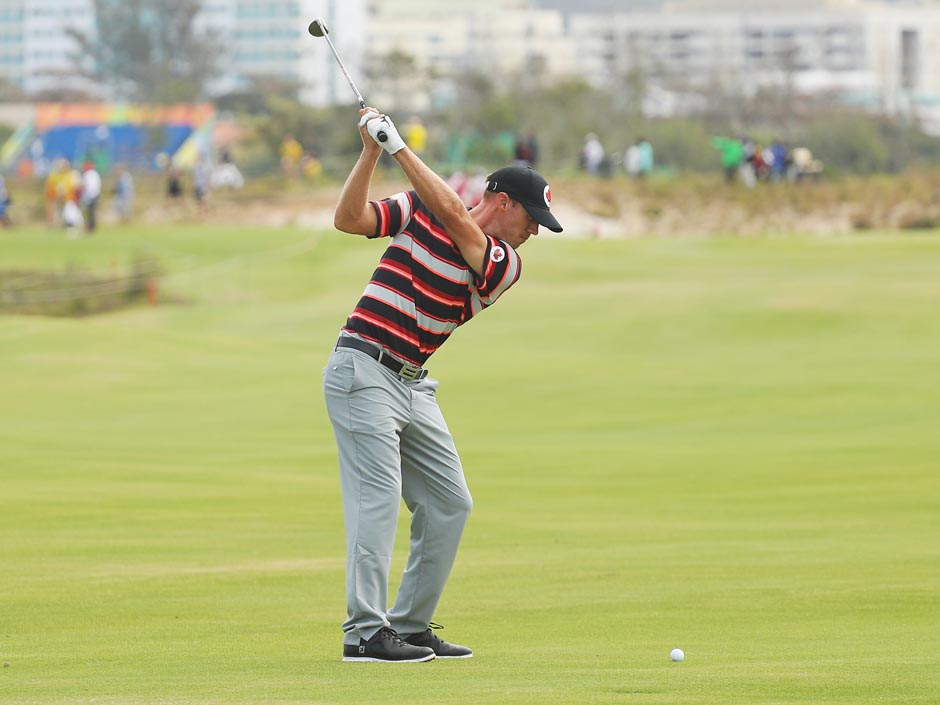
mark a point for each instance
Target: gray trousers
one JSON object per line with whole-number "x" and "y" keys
{"x": 393, "y": 443}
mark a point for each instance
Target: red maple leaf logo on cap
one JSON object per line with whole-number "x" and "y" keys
{"x": 548, "y": 196}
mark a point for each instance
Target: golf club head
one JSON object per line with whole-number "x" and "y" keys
{"x": 317, "y": 28}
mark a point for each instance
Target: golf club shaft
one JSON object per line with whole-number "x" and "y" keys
{"x": 362, "y": 103}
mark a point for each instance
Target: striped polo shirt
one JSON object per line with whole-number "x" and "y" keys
{"x": 423, "y": 288}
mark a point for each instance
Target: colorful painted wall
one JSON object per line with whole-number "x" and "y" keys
{"x": 135, "y": 135}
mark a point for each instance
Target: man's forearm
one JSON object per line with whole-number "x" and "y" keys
{"x": 353, "y": 214}
{"x": 446, "y": 205}
{"x": 437, "y": 195}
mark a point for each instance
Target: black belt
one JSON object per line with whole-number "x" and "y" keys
{"x": 402, "y": 369}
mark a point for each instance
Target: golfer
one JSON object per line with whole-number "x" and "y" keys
{"x": 443, "y": 265}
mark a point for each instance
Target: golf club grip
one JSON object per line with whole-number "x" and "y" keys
{"x": 382, "y": 136}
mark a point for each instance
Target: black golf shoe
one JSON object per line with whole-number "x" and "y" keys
{"x": 441, "y": 648}
{"x": 386, "y": 646}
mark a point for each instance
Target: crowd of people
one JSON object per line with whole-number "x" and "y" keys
{"x": 744, "y": 160}
{"x": 637, "y": 160}
{"x": 298, "y": 161}
{"x": 72, "y": 195}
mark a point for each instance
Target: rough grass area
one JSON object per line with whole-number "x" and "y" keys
{"x": 724, "y": 445}
{"x": 75, "y": 291}
{"x": 691, "y": 204}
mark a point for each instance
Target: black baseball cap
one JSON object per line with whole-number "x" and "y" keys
{"x": 524, "y": 184}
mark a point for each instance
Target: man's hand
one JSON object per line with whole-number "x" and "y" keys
{"x": 376, "y": 123}
{"x": 367, "y": 114}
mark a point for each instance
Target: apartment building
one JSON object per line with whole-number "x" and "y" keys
{"x": 261, "y": 38}
{"x": 445, "y": 41}
{"x": 269, "y": 38}
{"x": 874, "y": 55}
{"x": 35, "y": 48}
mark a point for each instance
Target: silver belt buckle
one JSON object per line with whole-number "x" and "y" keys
{"x": 409, "y": 372}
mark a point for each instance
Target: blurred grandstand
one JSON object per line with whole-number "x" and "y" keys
{"x": 140, "y": 136}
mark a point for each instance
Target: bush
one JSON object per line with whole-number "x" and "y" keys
{"x": 75, "y": 291}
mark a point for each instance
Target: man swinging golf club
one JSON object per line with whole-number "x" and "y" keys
{"x": 443, "y": 265}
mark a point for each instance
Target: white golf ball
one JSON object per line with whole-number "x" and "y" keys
{"x": 677, "y": 655}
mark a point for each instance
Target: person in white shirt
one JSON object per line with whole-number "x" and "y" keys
{"x": 91, "y": 192}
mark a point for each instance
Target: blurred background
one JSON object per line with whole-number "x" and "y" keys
{"x": 788, "y": 89}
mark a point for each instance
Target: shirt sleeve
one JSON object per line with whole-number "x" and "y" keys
{"x": 393, "y": 214}
{"x": 502, "y": 268}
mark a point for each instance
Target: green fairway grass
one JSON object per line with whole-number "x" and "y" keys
{"x": 724, "y": 445}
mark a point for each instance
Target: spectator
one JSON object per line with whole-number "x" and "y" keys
{"x": 748, "y": 168}
{"x": 645, "y": 156}
{"x": 458, "y": 182}
{"x": 71, "y": 188}
{"x": 592, "y": 154}
{"x": 291, "y": 153}
{"x": 638, "y": 159}
{"x": 804, "y": 165}
{"x": 631, "y": 160}
{"x": 90, "y": 193}
{"x": 534, "y": 152}
{"x": 174, "y": 190}
{"x": 732, "y": 156}
{"x": 5, "y": 202}
{"x": 201, "y": 173}
{"x": 416, "y": 135}
{"x": 123, "y": 193}
{"x": 55, "y": 189}
{"x": 310, "y": 165}
{"x": 527, "y": 150}
{"x": 475, "y": 188}
{"x": 780, "y": 160}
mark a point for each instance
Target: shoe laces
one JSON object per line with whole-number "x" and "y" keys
{"x": 391, "y": 635}
{"x": 431, "y": 635}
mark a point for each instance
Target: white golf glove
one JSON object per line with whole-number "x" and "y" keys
{"x": 375, "y": 125}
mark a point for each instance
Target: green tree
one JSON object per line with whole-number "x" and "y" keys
{"x": 396, "y": 72}
{"x": 147, "y": 50}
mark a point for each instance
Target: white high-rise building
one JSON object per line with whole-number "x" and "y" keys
{"x": 872, "y": 54}
{"x": 35, "y": 49}
{"x": 261, "y": 38}
{"x": 440, "y": 42}
{"x": 269, "y": 38}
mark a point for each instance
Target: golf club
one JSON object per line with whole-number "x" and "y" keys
{"x": 318, "y": 29}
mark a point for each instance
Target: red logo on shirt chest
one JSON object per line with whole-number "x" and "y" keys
{"x": 498, "y": 254}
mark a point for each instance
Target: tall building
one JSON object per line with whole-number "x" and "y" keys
{"x": 260, "y": 38}
{"x": 437, "y": 44}
{"x": 35, "y": 48}
{"x": 269, "y": 38}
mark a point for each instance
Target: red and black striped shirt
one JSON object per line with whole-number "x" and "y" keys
{"x": 423, "y": 288}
